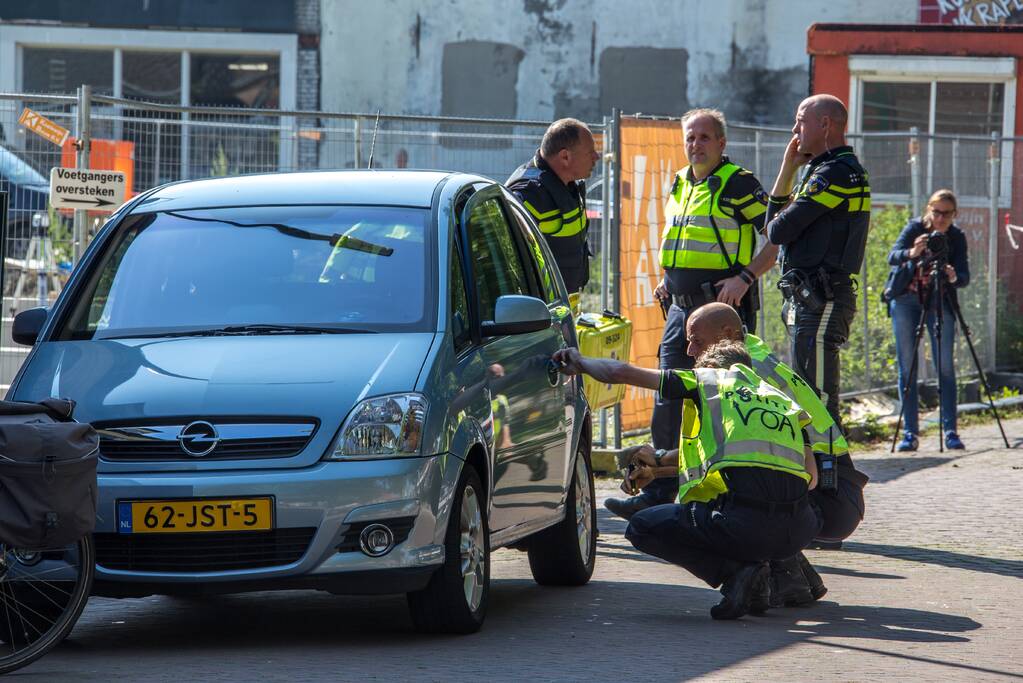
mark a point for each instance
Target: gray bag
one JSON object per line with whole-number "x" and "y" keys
{"x": 47, "y": 475}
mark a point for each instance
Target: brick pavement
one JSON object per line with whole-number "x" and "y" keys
{"x": 929, "y": 588}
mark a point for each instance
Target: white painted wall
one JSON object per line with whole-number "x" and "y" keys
{"x": 369, "y": 58}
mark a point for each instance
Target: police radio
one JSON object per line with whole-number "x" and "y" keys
{"x": 827, "y": 471}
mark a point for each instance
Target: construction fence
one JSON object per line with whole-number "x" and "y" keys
{"x": 156, "y": 144}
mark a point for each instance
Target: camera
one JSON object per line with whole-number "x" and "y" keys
{"x": 937, "y": 244}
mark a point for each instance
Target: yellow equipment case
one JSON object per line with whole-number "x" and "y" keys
{"x": 606, "y": 335}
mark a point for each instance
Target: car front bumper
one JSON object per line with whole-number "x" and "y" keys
{"x": 329, "y": 497}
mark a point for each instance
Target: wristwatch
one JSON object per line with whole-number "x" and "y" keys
{"x": 658, "y": 454}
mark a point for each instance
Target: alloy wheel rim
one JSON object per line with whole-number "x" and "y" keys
{"x": 583, "y": 508}
{"x": 471, "y": 549}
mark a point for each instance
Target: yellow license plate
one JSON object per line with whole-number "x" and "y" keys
{"x": 194, "y": 516}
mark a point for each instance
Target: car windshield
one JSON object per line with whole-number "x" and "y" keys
{"x": 16, "y": 171}
{"x": 258, "y": 270}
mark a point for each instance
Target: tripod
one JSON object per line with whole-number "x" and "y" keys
{"x": 934, "y": 296}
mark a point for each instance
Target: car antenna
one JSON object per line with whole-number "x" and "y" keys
{"x": 373, "y": 144}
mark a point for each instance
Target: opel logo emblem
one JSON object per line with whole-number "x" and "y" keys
{"x": 198, "y": 438}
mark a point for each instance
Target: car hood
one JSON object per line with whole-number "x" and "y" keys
{"x": 135, "y": 381}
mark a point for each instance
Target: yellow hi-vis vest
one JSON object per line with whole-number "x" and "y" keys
{"x": 744, "y": 422}
{"x": 825, "y": 436}
{"x": 688, "y": 239}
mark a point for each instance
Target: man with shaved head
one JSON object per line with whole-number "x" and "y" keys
{"x": 821, "y": 228}
{"x": 793, "y": 581}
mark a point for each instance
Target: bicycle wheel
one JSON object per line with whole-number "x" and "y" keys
{"x": 42, "y": 594}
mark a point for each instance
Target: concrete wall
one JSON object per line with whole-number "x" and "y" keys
{"x": 578, "y": 57}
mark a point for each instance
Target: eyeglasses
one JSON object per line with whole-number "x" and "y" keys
{"x": 943, "y": 214}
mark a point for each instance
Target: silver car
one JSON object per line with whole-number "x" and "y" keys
{"x": 332, "y": 380}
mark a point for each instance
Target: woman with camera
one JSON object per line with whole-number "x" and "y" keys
{"x": 929, "y": 247}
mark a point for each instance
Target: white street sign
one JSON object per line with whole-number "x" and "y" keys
{"x": 83, "y": 188}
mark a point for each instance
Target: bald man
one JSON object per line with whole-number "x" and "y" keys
{"x": 821, "y": 227}
{"x": 794, "y": 581}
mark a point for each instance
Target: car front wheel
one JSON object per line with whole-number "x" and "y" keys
{"x": 455, "y": 600}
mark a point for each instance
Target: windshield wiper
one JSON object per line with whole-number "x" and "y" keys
{"x": 266, "y": 328}
{"x": 242, "y": 330}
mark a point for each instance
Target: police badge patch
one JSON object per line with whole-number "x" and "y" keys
{"x": 815, "y": 184}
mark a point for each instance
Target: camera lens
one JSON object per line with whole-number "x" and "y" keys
{"x": 937, "y": 243}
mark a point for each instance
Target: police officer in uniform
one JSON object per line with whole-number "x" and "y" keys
{"x": 838, "y": 499}
{"x": 744, "y": 473}
{"x": 552, "y": 188}
{"x": 708, "y": 253}
{"x": 822, "y": 229}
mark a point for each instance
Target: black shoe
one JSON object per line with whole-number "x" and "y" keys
{"x": 817, "y": 588}
{"x": 761, "y": 600}
{"x": 738, "y": 590}
{"x": 789, "y": 588}
{"x": 626, "y": 507}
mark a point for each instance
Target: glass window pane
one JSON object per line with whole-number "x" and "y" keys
{"x": 498, "y": 269}
{"x": 235, "y": 80}
{"x": 59, "y": 70}
{"x": 896, "y": 106}
{"x": 459, "y": 305}
{"x": 281, "y": 265}
{"x": 969, "y": 108}
{"x": 151, "y": 76}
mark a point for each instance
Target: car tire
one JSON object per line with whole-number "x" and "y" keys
{"x": 565, "y": 554}
{"x": 455, "y": 599}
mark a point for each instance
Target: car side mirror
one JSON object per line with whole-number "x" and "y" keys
{"x": 27, "y": 326}
{"x": 517, "y": 314}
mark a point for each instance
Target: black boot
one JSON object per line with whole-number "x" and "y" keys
{"x": 761, "y": 600}
{"x": 789, "y": 587}
{"x": 817, "y": 588}
{"x": 738, "y": 590}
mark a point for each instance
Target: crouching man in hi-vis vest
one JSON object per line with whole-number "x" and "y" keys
{"x": 744, "y": 472}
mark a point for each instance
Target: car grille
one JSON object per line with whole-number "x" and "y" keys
{"x": 208, "y": 552}
{"x": 234, "y": 441}
{"x": 400, "y": 527}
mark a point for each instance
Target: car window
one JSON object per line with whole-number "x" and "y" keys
{"x": 460, "y": 330}
{"x": 497, "y": 267}
{"x": 345, "y": 266}
{"x": 542, "y": 269}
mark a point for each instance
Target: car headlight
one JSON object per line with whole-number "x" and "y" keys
{"x": 383, "y": 427}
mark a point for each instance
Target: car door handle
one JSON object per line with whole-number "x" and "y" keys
{"x": 553, "y": 372}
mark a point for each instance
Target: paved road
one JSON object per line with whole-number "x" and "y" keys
{"x": 929, "y": 588}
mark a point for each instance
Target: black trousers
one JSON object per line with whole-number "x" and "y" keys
{"x": 840, "y": 511}
{"x": 708, "y": 538}
{"x": 816, "y": 338}
{"x": 666, "y": 420}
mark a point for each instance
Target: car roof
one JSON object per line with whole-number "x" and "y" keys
{"x": 396, "y": 188}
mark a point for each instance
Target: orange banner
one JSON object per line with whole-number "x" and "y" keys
{"x": 651, "y": 154}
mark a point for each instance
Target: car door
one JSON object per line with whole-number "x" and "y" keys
{"x": 527, "y": 424}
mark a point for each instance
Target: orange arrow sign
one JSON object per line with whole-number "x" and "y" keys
{"x": 43, "y": 127}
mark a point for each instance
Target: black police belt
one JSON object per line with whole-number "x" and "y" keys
{"x": 812, "y": 289}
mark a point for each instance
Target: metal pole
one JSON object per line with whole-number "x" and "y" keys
{"x": 955, "y": 166}
{"x": 358, "y": 143}
{"x": 992, "y": 249}
{"x": 758, "y": 141}
{"x": 915, "y": 171}
{"x": 83, "y": 134}
{"x": 605, "y": 247}
{"x": 156, "y": 154}
{"x": 866, "y": 322}
{"x": 614, "y": 241}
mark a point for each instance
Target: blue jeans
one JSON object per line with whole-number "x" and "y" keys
{"x": 905, "y": 312}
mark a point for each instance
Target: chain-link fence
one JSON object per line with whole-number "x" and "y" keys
{"x": 161, "y": 143}
{"x": 157, "y": 143}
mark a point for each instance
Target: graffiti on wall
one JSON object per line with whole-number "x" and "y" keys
{"x": 971, "y": 12}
